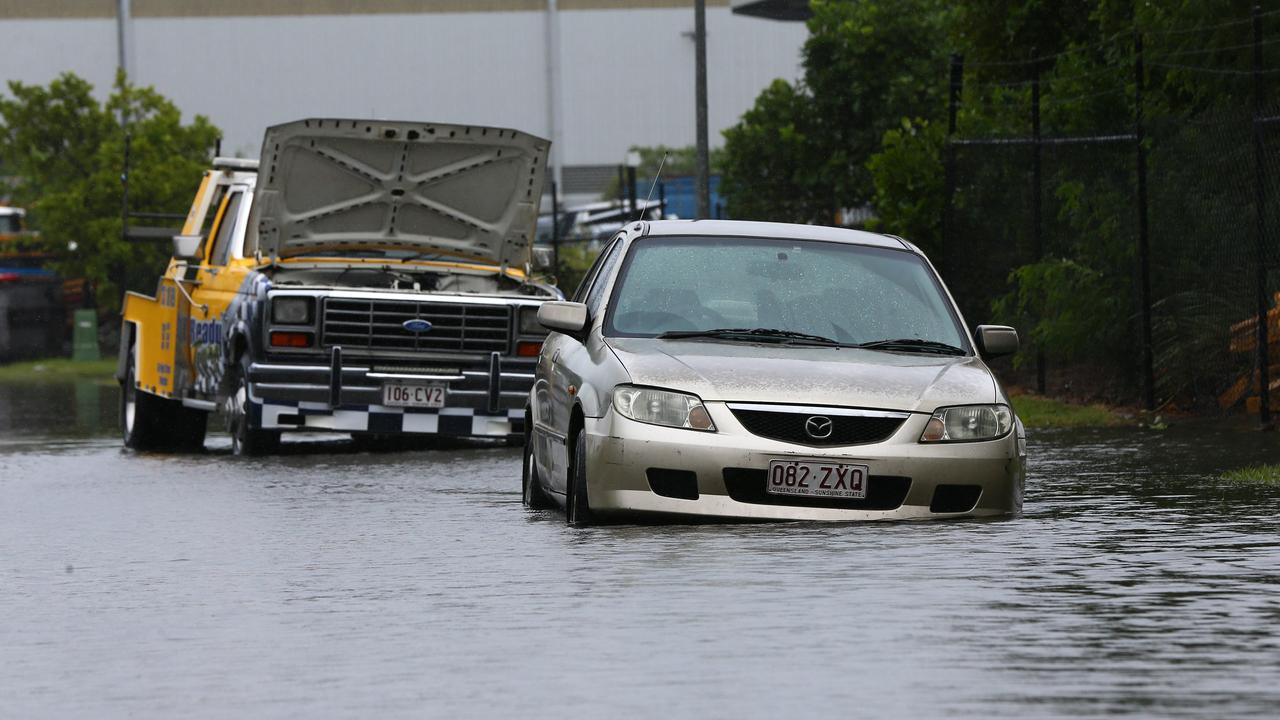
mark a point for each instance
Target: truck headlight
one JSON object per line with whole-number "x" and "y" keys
{"x": 662, "y": 407}
{"x": 291, "y": 310}
{"x": 968, "y": 423}
{"x": 529, "y": 324}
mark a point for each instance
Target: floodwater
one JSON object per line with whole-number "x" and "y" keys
{"x": 331, "y": 582}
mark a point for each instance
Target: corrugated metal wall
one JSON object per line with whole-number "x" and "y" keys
{"x": 627, "y": 71}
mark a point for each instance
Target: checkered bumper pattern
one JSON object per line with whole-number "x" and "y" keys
{"x": 481, "y": 400}
{"x": 384, "y": 420}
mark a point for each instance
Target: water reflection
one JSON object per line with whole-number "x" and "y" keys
{"x": 331, "y": 580}
{"x": 79, "y": 408}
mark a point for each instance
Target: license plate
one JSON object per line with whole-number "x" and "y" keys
{"x": 817, "y": 479}
{"x": 404, "y": 394}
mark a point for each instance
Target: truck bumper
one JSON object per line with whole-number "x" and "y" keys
{"x": 482, "y": 400}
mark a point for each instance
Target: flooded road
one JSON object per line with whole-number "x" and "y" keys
{"x": 330, "y": 582}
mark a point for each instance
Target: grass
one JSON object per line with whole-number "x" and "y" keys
{"x": 1043, "y": 412}
{"x": 1254, "y": 475}
{"x": 55, "y": 369}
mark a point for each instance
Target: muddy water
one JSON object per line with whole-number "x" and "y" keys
{"x": 331, "y": 582}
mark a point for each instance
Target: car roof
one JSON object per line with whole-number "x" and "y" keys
{"x": 748, "y": 228}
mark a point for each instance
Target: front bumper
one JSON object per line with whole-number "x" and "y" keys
{"x": 484, "y": 398}
{"x": 630, "y": 464}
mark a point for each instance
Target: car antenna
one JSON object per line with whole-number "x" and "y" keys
{"x": 641, "y": 211}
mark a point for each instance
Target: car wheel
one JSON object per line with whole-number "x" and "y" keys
{"x": 533, "y": 495}
{"x": 148, "y": 422}
{"x": 245, "y": 439}
{"x": 577, "y": 509}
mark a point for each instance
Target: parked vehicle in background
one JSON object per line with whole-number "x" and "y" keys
{"x": 33, "y": 319}
{"x": 768, "y": 371}
{"x": 596, "y": 221}
{"x": 367, "y": 277}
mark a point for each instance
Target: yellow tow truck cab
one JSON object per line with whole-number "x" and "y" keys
{"x": 367, "y": 277}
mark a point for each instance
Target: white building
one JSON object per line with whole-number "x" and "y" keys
{"x": 596, "y": 76}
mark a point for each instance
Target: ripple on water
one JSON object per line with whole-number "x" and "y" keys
{"x": 333, "y": 581}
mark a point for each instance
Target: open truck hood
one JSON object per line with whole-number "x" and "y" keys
{"x": 351, "y": 185}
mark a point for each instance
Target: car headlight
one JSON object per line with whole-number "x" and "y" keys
{"x": 291, "y": 310}
{"x": 662, "y": 407}
{"x": 968, "y": 423}
{"x": 529, "y": 324}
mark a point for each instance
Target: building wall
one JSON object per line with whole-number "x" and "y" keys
{"x": 627, "y": 67}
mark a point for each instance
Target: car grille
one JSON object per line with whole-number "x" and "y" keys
{"x": 884, "y": 492}
{"x": 789, "y": 426}
{"x": 379, "y": 325}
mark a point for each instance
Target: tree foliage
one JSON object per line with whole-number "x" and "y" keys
{"x": 866, "y": 125}
{"x": 800, "y": 153}
{"x": 65, "y": 150}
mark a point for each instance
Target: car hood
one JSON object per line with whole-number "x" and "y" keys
{"x": 354, "y": 185}
{"x": 770, "y": 373}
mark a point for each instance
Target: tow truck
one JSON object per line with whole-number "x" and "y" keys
{"x": 365, "y": 277}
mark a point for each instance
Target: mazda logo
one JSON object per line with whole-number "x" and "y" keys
{"x": 819, "y": 427}
{"x": 416, "y": 325}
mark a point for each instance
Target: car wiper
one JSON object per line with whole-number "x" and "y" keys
{"x": 913, "y": 345}
{"x": 754, "y": 333}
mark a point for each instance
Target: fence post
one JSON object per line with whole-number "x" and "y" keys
{"x": 555, "y": 227}
{"x": 1260, "y": 212}
{"x": 632, "y": 204}
{"x": 1144, "y": 245}
{"x": 1037, "y": 193}
{"x": 949, "y": 165}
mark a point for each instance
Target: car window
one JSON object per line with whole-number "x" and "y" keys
{"x": 226, "y": 230}
{"x": 596, "y": 294}
{"x": 581, "y": 294}
{"x": 850, "y": 293}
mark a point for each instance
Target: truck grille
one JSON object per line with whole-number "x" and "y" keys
{"x": 379, "y": 325}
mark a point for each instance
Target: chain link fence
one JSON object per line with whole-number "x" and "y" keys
{"x": 1133, "y": 244}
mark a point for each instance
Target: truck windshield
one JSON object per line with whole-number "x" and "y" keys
{"x": 848, "y": 293}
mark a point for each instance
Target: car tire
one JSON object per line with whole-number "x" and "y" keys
{"x": 245, "y": 440}
{"x": 577, "y": 510}
{"x": 533, "y": 495}
{"x": 149, "y": 422}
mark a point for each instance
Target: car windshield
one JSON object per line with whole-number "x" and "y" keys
{"x": 849, "y": 294}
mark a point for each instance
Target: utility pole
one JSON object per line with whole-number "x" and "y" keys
{"x": 122, "y": 45}
{"x": 123, "y": 21}
{"x": 702, "y": 176}
{"x": 553, "y": 92}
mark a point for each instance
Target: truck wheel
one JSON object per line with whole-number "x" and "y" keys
{"x": 533, "y": 496}
{"x": 246, "y": 440}
{"x": 148, "y": 422}
{"x": 577, "y": 509}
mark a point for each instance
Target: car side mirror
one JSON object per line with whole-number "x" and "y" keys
{"x": 570, "y": 318}
{"x": 185, "y": 247}
{"x": 997, "y": 340}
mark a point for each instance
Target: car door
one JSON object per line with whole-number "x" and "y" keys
{"x": 557, "y": 381}
{"x": 218, "y": 282}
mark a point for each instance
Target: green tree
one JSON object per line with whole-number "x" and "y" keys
{"x": 800, "y": 153}
{"x": 770, "y": 163}
{"x": 66, "y": 149}
{"x": 908, "y": 177}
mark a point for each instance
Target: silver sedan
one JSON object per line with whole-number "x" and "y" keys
{"x": 768, "y": 371}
